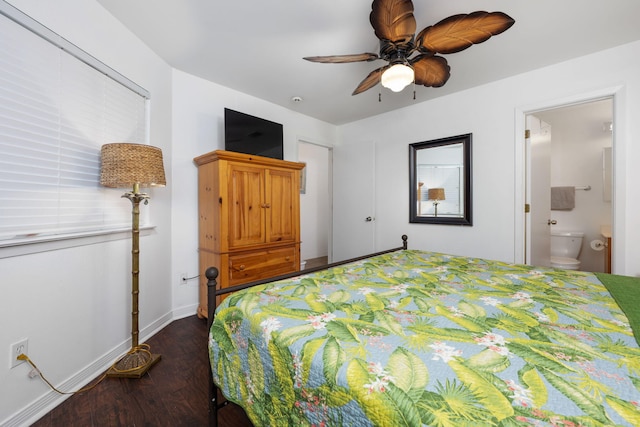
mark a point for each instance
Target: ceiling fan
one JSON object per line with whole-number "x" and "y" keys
{"x": 414, "y": 58}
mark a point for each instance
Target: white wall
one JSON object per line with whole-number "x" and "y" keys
{"x": 198, "y": 125}
{"x": 74, "y": 303}
{"x": 494, "y": 114}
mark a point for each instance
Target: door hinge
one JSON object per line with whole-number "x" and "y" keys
{"x": 527, "y": 134}
{"x": 527, "y": 208}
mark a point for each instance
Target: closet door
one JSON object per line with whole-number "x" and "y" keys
{"x": 354, "y": 227}
{"x": 246, "y": 186}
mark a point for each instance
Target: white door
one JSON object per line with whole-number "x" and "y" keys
{"x": 353, "y": 189}
{"x": 538, "y": 189}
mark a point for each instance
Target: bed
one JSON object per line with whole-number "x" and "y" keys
{"x": 416, "y": 338}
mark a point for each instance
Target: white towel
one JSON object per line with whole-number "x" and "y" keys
{"x": 563, "y": 198}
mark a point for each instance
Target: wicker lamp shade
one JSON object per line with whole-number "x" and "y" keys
{"x": 124, "y": 164}
{"x": 435, "y": 194}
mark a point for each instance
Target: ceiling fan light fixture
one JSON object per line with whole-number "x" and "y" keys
{"x": 397, "y": 77}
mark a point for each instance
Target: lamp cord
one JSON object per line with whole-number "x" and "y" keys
{"x": 33, "y": 365}
{"x": 144, "y": 348}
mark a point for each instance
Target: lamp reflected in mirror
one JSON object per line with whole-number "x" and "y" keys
{"x": 436, "y": 195}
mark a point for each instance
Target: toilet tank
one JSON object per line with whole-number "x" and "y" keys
{"x": 566, "y": 243}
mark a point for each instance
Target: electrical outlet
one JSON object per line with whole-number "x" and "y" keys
{"x": 21, "y": 347}
{"x": 183, "y": 278}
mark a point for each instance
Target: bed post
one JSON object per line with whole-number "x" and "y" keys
{"x": 211, "y": 273}
{"x": 404, "y": 241}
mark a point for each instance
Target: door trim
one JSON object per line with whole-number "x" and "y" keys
{"x": 329, "y": 148}
{"x": 617, "y": 95}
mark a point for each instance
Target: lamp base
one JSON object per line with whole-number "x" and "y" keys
{"x": 134, "y": 364}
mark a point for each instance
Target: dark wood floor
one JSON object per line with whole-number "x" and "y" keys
{"x": 315, "y": 262}
{"x": 173, "y": 393}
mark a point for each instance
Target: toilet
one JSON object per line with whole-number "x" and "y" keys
{"x": 565, "y": 249}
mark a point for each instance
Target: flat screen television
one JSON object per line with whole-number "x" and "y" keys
{"x": 247, "y": 134}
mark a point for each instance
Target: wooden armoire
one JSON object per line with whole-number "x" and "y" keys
{"x": 248, "y": 218}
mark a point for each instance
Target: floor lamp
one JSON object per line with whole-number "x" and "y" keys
{"x": 127, "y": 165}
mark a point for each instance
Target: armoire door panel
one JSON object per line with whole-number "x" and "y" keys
{"x": 283, "y": 199}
{"x": 246, "y": 204}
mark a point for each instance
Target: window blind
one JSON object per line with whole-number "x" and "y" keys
{"x": 56, "y": 111}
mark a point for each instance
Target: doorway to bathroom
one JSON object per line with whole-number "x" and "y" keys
{"x": 568, "y": 148}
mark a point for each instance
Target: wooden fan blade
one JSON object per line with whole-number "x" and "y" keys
{"x": 459, "y": 32}
{"x": 393, "y": 20}
{"x": 371, "y": 80}
{"x": 430, "y": 71}
{"x": 341, "y": 59}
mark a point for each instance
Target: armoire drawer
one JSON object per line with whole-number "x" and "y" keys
{"x": 255, "y": 265}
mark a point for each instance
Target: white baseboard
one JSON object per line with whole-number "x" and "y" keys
{"x": 185, "y": 311}
{"x": 47, "y": 402}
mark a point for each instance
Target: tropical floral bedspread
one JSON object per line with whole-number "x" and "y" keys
{"x": 425, "y": 339}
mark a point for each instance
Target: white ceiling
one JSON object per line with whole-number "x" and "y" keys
{"x": 256, "y": 46}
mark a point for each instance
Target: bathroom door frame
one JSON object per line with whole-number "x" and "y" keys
{"x": 616, "y": 94}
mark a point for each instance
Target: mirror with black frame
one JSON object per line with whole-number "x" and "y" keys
{"x": 440, "y": 181}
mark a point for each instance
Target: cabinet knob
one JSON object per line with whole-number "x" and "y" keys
{"x": 241, "y": 267}
{"x": 287, "y": 258}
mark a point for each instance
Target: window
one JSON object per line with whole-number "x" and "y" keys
{"x": 58, "y": 106}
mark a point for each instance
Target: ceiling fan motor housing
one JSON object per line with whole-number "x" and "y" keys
{"x": 395, "y": 54}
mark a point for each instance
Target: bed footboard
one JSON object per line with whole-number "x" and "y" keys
{"x": 212, "y": 292}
